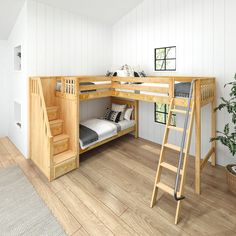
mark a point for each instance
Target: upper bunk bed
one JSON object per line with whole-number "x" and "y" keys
{"x": 151, "y": 89}
{"x": 68, "y": 92}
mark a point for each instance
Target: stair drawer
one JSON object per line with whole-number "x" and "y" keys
{"x": 64, "y": 167}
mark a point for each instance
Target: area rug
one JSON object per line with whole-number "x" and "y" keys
{"x": 22, "y": 211}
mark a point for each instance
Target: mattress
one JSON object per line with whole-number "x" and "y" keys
{"x": 105, "y": 129}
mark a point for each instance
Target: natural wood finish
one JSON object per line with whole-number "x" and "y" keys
{"x": 60, "y": 144}
{"x": 53, "y": 113}
{"x": 141, "y": 88}
{"x": 93, "y": 87}
{"x": 94, "y": 95}
{"x": 56, "y": 127}
{"x": 197, "y": 137}
{"x": 213, "y": 125}
{"x": 65, "y": 167}
{"x": 207, "y": 157}
{"x": 112, "y": 188}
{"x": 41, "y": 140}
{"x": 205, "y": 93}
{"x": 163, "y": 164}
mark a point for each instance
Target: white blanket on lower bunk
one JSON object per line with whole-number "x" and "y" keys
{"x": 105, "y": 129}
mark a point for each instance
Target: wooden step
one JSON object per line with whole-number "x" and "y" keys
{"x": 166, "y": 188}
{"x": 52, "y": 113}
{"x": 60, "y": 143}
{"x": 176, "y": 128}
{"x": 170, "y": 167}
{"x": 64, "y": 163}
{"x": 56, "y": 127}
{"x": 178, "y": 111}
{"x": 173, "y": 147}
{"x": 64, "y": 156}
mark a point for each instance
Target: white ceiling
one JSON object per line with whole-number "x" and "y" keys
{"x": 9, "y": 10}
{"x": 107, "y": 11}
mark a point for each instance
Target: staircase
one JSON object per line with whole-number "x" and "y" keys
{"x": 64, "y": 159}
{"x": 180, "y": 170}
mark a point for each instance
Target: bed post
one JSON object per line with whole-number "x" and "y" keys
{"x": 213, "y": 125}
{"x": 198, "y": 137}
{"x": 78, "y": 121}
{"x": 136, "y": 118}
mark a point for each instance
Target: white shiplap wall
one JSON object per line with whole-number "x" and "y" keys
{"x": 55, "y": 42}
{"x": 4, "y": 95}
{"x": 64, "y": 43}
{"x": 205, "y": 34}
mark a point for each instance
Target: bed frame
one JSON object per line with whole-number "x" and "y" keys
{"x": 43, "y": 99}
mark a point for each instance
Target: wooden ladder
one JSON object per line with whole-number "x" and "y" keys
{"x": 178, "y": 191}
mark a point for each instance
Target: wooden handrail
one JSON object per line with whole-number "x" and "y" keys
{"x": 45, "y": 114}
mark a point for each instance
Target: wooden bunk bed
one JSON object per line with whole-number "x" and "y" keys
{"x": 57, "y": 112}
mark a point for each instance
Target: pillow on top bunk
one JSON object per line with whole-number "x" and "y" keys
{"x": 112, "y": 115}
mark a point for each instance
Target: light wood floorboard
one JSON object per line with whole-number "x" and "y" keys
{"x": 110, "y": 193}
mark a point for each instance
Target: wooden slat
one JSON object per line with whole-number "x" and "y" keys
{"x": 176, "y": 128}
{"x": 178, "y": 111}
{"x": 141, "y": 88}
{"x": 170, "y": 167}
{"x": 94, "y": 86}
{"x": 142, "y": 97}
{"x": 160, "y": 80}
{"x": 94, "y": 95}
{"x": 206, "y": 158}
{"x": 93, "y": 78}
{"x": 165, "y": 188}
{"x": 173, "y": 147}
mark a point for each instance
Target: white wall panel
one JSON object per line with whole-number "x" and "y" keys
{"x": 205, "y": 35}
{"x": 4, "y": 95}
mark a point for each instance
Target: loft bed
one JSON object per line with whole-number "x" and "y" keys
{"x": 64, "y": 94}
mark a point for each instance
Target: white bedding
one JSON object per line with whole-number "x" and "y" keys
{"x": 105, "y": 129}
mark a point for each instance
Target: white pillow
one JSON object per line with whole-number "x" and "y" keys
{"x": 128, "y": 113}
{"x": 117, "y": 107}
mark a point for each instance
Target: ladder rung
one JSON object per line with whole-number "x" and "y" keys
{"x": 166, "y": 188}
{"x": 176, "y": 128}
{"x": 170, "y": 167}
{"x": 173, "y": 147}
{"x": 179, "y": 111}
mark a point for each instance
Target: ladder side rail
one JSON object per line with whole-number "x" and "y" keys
{"x": 178, "y": 198}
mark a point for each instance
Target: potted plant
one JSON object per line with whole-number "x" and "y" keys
{"x": 228, "y": 136}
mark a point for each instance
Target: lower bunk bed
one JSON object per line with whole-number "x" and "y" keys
{"x": 120, "y": 119}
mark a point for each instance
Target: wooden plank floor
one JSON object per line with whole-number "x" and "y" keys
{"x": 110, "y": 193}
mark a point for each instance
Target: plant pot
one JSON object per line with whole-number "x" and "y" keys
{"x": 231, "y": 178}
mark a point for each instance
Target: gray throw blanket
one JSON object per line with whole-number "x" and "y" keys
{"x": 87, "y": 135}
{"x": 182, "y": 89}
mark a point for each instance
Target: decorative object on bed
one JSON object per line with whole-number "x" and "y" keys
{"x": 228, "y": 136}
{"x": 126, "y": 71}
{"x": 165, "y": 59}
